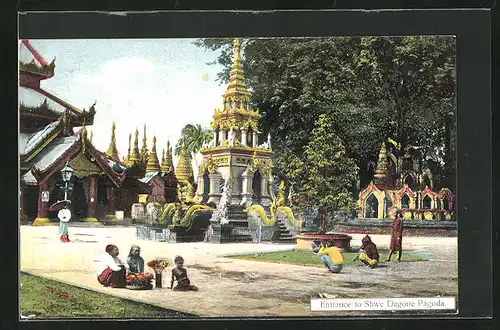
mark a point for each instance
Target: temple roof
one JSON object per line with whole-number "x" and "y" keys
{"x": 148, "y": 177}
{"x": 53, "y": 151}
{"x": 28, "y": 142}
{"x": 33, "y": 64}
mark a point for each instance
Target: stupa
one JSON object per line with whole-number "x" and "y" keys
{"x": 235, "y": 160}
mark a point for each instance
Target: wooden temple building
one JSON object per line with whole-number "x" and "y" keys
{"x": 402, "y": 181}
{"x": 53, "y": 133}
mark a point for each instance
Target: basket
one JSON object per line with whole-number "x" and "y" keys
{"x": 136, "y": 287}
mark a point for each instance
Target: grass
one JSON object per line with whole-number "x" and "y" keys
{"x": 51, "y": 299}
{"x": 308, "y": 258}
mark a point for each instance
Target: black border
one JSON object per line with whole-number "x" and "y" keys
{"x": 474, "y": 153}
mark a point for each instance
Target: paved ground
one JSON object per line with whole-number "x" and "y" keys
{"x": 230, "y": 287}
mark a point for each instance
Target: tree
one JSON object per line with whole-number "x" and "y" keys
{"x": 324, "y": 175}
{"x": 375, "y": 88}
{"x": 194, "y": 137}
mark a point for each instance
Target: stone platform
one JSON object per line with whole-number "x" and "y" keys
{"x": 411, "y": 228}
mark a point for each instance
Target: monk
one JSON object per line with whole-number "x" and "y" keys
{"x": 368, "y": 252}
{"x": 397, "y": 236}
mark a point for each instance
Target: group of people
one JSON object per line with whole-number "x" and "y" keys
{"x": 112, "y": 271}
{"x": 331, "y": 257}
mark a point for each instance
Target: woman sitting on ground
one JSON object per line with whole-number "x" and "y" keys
{"x": 179, "y": 274}
{"x": 368, "y": 252}
{"x": 112, "y": 270}
{"x": 134, "y": 260}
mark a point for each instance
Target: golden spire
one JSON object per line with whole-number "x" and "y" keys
{"x": 153, "y": 164}
{"x": 167, "y": 165}
{"x": 135, "y": 156}
{"x": 236, "y": 95}
{"x": 112, "y": 152}
{"x": 129, "y": 144}
{"x": 144, "y": 148}
{"x": 184, "y": 169}
{"x": 381, "y": 178}
{"x": 91, "y": 136}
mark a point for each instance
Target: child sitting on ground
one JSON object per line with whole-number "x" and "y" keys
{"x": 179, "y": 274}
{"x": 134, "y": 260}
{"x": 368, "y": 252}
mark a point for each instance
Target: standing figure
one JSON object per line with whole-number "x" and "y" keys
{"x": 134, "y": 260}
{"x": 179, "y": 274}
{"x": 112, "y": 270}
{"x": 331, "y": 257}
{"x": 397, "y": 236}
{"x": 64, "y": 216}
{"x": 368, "y": 252}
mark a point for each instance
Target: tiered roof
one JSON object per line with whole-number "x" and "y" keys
{"x": 38, "y": 107}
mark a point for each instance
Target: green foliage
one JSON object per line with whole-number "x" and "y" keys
{"x": 374, "y": 88}
{"x": 193, "y": 137}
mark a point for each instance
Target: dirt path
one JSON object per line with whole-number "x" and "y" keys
{"x": 231, "y": 287}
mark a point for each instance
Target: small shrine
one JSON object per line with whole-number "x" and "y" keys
{"x": 403, "y": 182}
{"x": 235, "y": 160}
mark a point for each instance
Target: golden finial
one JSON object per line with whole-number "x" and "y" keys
{"x": 91, "y": 136}
{"x": 134, "y": 157}
{"x": 129, "y": 144}
{"x": 153, "y": 165}
{"x": 112, "y": 152}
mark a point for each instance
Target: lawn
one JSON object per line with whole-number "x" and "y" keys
{"x": 308, "y": 258}
{"x": 51, "y": 299}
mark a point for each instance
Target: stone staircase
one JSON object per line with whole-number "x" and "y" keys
{"x": 285, "y": 236}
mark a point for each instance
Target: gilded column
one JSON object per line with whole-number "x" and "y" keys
{"x": 92, "y": 206}
{"x": 42, "y": 218}
{"x": 243, "y": 137}
{"x": 254, "y": 139}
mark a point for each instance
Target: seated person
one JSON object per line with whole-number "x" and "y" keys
{"x": 134, "y": 260}
{"x": 179, "y": 274}
{"x": 331, "y": 257}
{"x": 368, "y": 252}
{"x": 112, "y": 270}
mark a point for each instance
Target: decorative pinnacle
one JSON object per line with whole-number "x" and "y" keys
{"x": 112, "y": 152}
{"x": 134, "y": 157}
{"x": 237, "y": 90}
{"x": 129, "y": 144}
{"x": 153, "y": 165}
{"x": 167, "y": 165}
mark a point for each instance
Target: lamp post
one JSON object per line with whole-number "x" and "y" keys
{"x": 67, "y": 173}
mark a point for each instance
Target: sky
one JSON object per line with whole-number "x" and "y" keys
{"x": 163, "y": 83}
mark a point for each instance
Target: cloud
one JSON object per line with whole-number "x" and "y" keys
{"x": 128, "y": 66}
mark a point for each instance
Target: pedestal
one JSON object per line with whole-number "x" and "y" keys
{"x": 220, "y": 233}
